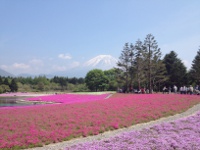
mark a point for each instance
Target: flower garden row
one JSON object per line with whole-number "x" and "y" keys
{"x": 183, "y": 134}
{"x": 69, "y": 98}
{"x": 38, "y": 125}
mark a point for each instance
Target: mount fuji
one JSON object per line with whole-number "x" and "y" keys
{"x": 101, "y": 62}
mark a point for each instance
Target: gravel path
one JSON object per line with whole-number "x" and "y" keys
{"x": 63, "y": 145}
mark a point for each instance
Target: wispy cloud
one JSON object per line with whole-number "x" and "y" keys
{"x": 59, "y": 68}
{"x": 17, "y": 68}
{"x": 187, "y": 64}
{"x": 37, "y": 62}
{"x": 66, "y": 67}
{"x": 64, "y": 56}
{"x": 20, "y": 66}
{"x": 74, "y": 64}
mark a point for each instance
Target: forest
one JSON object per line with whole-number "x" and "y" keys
{"x": 140, "y": 65}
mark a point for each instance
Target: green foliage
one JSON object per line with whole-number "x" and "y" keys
{"x": 80, "y": 88}
{"x": 152, "y": 57}
{"x": 195, "y": 69}
{"x": 4, "y": 88}
{"x": 1, "y": 80}
{"x": 13, "y": 86}
{"x": 111, "y": 75}
{"x": 6, "y": 82}
{"x": 96, "y": 80}
{"x": 125, "y": 64}
{"x": 41, "y": 84}
{"x": 141, "y": 64}
{"x": 24, "y": 87}
{"x": 176, "y": 71}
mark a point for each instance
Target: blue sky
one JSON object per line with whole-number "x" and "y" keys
{"x": 45, "y": 36}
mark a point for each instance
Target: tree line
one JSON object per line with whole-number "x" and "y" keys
{"x": 140, "y": 65}
{"x": 41, "y": 84}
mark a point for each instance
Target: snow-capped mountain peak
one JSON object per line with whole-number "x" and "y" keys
{"x": 101, "y": 61}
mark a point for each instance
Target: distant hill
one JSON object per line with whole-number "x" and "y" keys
{"x": 4, "y": 73}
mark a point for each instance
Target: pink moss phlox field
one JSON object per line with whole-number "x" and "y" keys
{"x": 183, "y": 134}
{"x": 35, "y": 126}
{"x": 68, "y": 98}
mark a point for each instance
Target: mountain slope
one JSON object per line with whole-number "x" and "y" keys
{"x": 4, "y": 73}
{"x": 101, "y": 62}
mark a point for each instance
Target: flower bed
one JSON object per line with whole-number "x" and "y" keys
{"x": 35, "y": 126}
{"x": 183, "y": 134}
{"x": 69, "y": 98}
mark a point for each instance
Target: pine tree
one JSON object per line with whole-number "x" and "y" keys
{"x": 6, "y": 82}
{"x": 132, "y": 66}
{"x": 1, "y": 80}
{"x": 152, "y": 55}
{"x": 195, "y": 69}
{"x": 176, "y": 70}
{"x": 13, "y": 86}
{"x": 139, "y": 63}
{"x": 125, "y": 64}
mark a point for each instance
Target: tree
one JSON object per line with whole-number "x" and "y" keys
{"x": 176, "y": 70}
{"x": 62, "y": 81}
{"x": 111, "y": 75}
{"x": 4, "y": 88}
{"x": 1, "y": 80}
{"x": 13, "y": 86}
{"x": 6, "y": 82}
{"x": 195, "y": 69}
{"x": 96, "y": 80}
{"x": 125, "y": 64}
{"x": 152, "y": 55}
{"x": 158, "y": 75}
{"x": 139, "y": 63}
{"x": 40, "y": 86}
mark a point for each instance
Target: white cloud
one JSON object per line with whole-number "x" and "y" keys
{"x": 64, "y": 56}
{"x": 20, "y": 66}
{"x": 187, "y": 64}
{"x": 74, "y": 64}
{"x": 4, "y": 67}
{"x": 66, "y": 67}
{"x": 17, "y": 68}
{"x": 37, "y": 62}
{"x": 59, "y": 68}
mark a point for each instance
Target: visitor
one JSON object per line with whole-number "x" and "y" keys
{"x": 197, "y": 90}
{"x": 169, "y": 90}
{"x": 175, "y": 89}
{"x": 191, "y": 89}
{"x": 184, "y": 90}
{"x": 143, "y": 90}
{"x": 181, "y": 90}
{"x": 164, "y": 89}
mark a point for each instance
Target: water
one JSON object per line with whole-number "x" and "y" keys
{"x": 13, "y": 102}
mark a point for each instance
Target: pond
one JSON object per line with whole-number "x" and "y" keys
{"x": 14, "y": 101}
